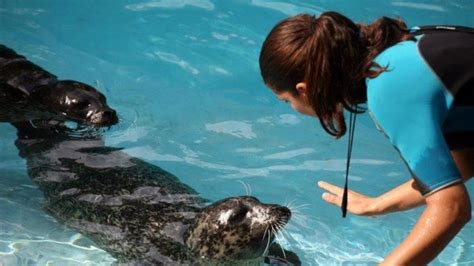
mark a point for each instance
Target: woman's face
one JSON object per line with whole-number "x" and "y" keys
{"x": 299, "y": 102}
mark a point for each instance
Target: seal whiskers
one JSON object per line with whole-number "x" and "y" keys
{"x": 248, "y": 189}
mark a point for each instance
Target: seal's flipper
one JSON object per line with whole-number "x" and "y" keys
{"x": 275, "y": 256}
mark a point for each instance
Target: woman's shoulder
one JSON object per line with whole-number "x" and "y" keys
{"x": 401, "y": 60}
{"x": 407, "y": 78}
{"x": 398, "y": 53}
{"x": 407, "y": 85}
{"x": 403, "y": 64}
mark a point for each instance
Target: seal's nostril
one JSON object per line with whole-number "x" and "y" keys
{"x": 109, "y": 116}
{"x": 109, "y": 113}
{"x": 283, "y": 212}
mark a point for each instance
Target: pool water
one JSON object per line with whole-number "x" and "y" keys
{"x": 184, "y": 77}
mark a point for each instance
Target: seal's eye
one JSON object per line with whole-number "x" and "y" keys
{"x": 239, "y": 215}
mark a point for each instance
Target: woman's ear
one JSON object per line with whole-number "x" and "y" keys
{"x": 301, "y": 87}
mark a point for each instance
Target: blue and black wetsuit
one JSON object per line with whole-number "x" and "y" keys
{"x": 425, "y": 103}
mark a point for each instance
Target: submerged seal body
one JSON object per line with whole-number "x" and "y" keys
{"x": 137, "y": 211}
{"x": 29, "y": 92}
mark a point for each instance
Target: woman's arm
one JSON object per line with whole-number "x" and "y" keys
{"x": 403, "y": 197}
{"x": 447, "y": 211}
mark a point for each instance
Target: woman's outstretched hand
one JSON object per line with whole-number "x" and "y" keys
{"x": 356, "y": 203}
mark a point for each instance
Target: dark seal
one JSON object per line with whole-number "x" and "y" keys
{"x": 29, "y": 92}
{"x": 140, "y": 213}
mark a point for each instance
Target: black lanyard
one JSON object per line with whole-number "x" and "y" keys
{"x": 352, "y": 122}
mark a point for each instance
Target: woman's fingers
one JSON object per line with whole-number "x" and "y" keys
{"x": 357, "y": 203}
{"x": 330, "y": 188}
{"x": 333, "y": 199}
{"x": 333, "y": 195}
{"x": 337, "y": 190}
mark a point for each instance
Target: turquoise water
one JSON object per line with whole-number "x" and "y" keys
{"x": 184, "y": 77}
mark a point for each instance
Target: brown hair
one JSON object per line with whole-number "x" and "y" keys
{"x": 332, "y": 55}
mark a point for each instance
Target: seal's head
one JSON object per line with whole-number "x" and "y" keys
{"x": 76, "y": 101}
{"x": 235, "y": 229}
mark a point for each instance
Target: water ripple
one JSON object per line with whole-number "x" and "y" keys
{"x": 171, "y": 4}
{"x": 422, "y": 6}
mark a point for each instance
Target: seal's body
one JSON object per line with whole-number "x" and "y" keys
{"x": 138, "y": 212}
{"x": 29, "y": 92}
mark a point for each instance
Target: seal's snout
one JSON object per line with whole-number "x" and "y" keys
{"x": 284, "y": 213}
{"x": 105, "y": 117}
{"x": 110, "y": 116}
{"x": 281, "y": 214}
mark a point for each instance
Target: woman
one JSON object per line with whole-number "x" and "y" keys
{"x": 419, "y": 91}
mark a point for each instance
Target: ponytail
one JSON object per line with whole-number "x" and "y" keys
{"x": 333, "y": 55}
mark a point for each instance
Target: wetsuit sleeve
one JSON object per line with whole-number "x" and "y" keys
{"x": 417, "y": 134}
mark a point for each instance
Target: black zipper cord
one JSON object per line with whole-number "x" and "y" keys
{"x": 352, "y": 122}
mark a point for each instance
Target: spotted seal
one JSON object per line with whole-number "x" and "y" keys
{"x": 29, "y": 92}
{"x": 138, "y": 212}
